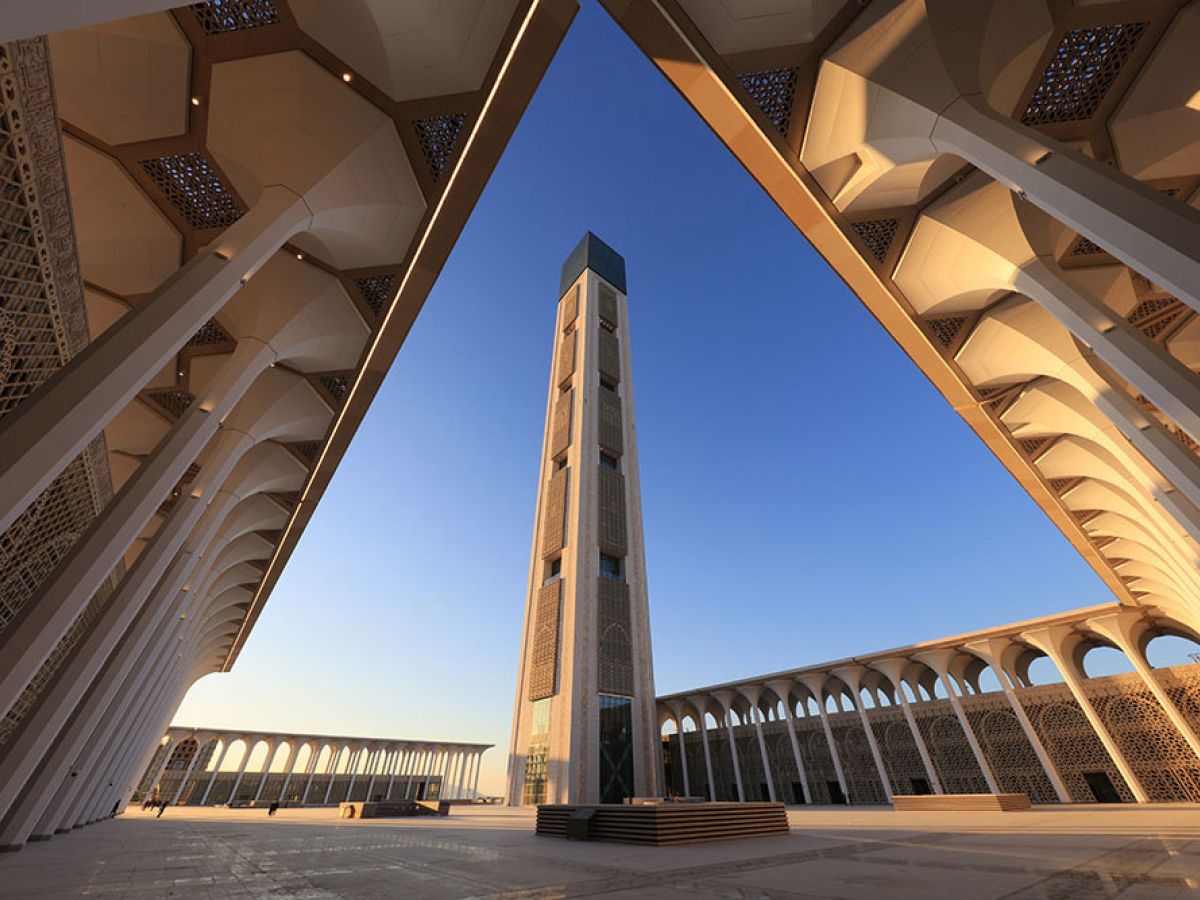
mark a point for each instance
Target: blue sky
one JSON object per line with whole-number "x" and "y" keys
{"x": 807, "y": 494}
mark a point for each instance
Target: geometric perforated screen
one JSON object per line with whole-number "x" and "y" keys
{"x": 1083, "y": 68}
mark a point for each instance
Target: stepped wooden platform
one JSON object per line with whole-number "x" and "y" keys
{"x": 662, "y": 823}
{"x": 965, "y": 802}
{"x": 385, "y": 809}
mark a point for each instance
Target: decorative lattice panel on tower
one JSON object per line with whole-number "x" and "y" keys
{"x": 564, "y": 415}
{"x": 607, "y": 298}
{"x": 610, "y": 356}
{"x": 438, "y": 136}
{"x": 772, "y": 91}
{"x": 610, "y": 512}
{"x": 949, "y": 750}
{"x": 543, "y": 665}
{"x": 376, "y": 291}
{"x": 1085, "y": 64}
{"x": 193, "y": 187}
{"x": 566, "y": 356}
{"x": 224, "y": 16}
{"x": 878, "y": 235}
{"x": 1006, "y": 747}
{"x": 1161, "y": 760}
{"x": 610, "y": 435}
{"x": 614, "y": 638}
{"x": 1070, "y": 741}
{"x": 570, "y": 306}
{"x": 554, "y": 523}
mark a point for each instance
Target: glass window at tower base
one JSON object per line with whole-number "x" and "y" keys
{"x": 616, "y": 748}
{"x": 538, "y": 756}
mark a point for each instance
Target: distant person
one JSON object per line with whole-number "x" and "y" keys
{"x": 271, "y": 809}
{"x": 162, "y": 807}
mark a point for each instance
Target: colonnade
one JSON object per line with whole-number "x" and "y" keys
{"x": 189, "y": 767}
{"x": 243, "y": 312}
{"x": 918, "y": 720}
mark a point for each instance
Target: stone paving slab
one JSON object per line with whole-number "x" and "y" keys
{"x": 1135, "y": 853}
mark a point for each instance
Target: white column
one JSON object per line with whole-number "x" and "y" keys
{"x": 894, "y": 670}
{"x": 1113, "y": 210}
{"x": 1122, "y": 629}
{"x": 853, "y": 678}
{"x": 287, "y": 779}
{"x": 992, "y": 652}
{"x": 445, "y": 774}
{"x": 225, "y": 742}
{"x": 464, "y": 760}
{"x": 39, "y": 439}
{"x": 333, "y": 762}
{"x": 412, "y": 771}
{"x": 701, "y": 705}
{"x": 396, "y": 762}
{"x": 168, "y": 749}
{"x": 1053, "y": 641}
{"x": 312, "y": 770}
{"x": 475, "y": 779}
{"x": 380, "y": 758}
{"x": 65, "y": 594}
{"x": 939, "y": 661}
{"x": 272, "y": 747}
{"x": 352, "y": 767}
{"x": 783, "y": 690}
{"x": 733, "y": 755}
{"x": 237, "y": 783}
{"x": 188, "y": 772}
{"x": 815, "y": 682}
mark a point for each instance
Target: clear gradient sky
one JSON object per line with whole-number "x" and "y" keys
{"x": 807, "y": 494}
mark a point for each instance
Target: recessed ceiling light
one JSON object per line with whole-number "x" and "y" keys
{"x": 195, "y": 101}
{"x": 347, "y": 77}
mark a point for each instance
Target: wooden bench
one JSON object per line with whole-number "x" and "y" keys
{"x": 961, "y": 802}
{"x": 662, "y": 823}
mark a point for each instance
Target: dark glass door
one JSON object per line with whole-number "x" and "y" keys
{"x": 1102, "y": 787}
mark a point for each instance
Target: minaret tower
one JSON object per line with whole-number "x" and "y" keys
{"x": 584, "y": 727}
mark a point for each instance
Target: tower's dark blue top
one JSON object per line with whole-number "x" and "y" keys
{"x": 592, "y": 253}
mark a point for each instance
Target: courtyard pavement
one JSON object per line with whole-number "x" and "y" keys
{"x": 1136, "y": 853}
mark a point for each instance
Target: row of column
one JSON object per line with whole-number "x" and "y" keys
{"x": 1123, "y": 629}
{"x": 457, "y": 768}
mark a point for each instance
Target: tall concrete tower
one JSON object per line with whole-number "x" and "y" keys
{"x": 584, "y": 728}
